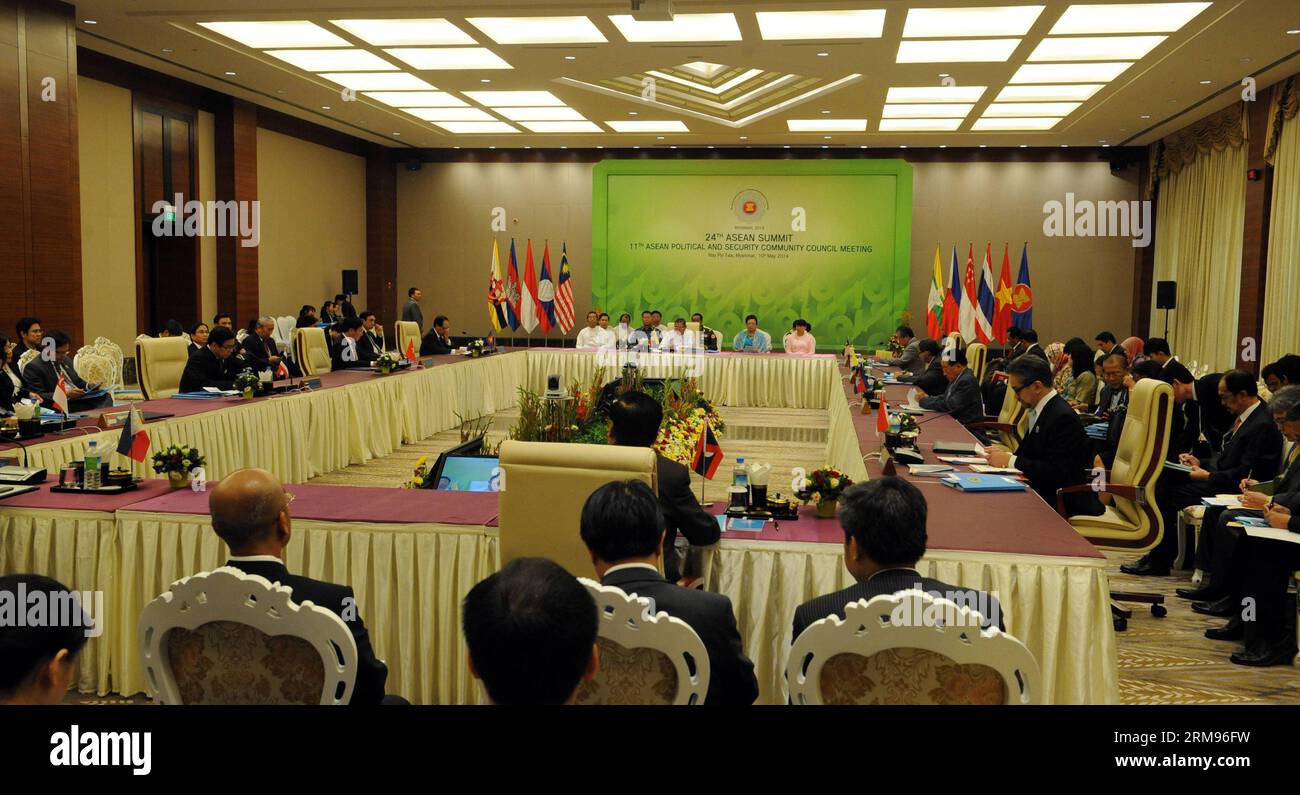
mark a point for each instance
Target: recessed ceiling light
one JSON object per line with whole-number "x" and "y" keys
{"x": 333, "y": 60}
{"x": 659, "y": 137}
{"x": 744, "y": 137}
{"x": 1105, "y": 146}
{"x": 1128, "y": 18}
{"x": 863, "y": 146}
{"x": 378, "y": 81}
{"x": 416, "y": 99}
{"x": 1049, "y": 93}
{"x": 230, "y": 74}
{"x": 326, "y": 107}
{"x": 636, "y": 147}
{"x": 902, "y": 146}
{"x": 958, "y": 51}
{"x": 538, "y": 30}
{"x": 825, "y": 112}
{"x": 90, "y": 21}
{"x": 1069, "y": 72}
{"x": 923, "y": 23}
{"x": 927, "y": 111}
{"x": 943, "y": 146}
{"x": 450, "y": 114}
{"x": 984, "y": 146}
{"x": 935, "y": 93}
{"x": 485, "y": 80}
{"x": 648, "y": 126}
{"x": 1013, "y": 109}
{"x": 787, "y": 25}
{"x": 918, "y": 125}
{"x": 515, "y": 99}
{"x": 1065, "y": 146}
{"x": 263, "y": 35}
{"x": 167, "y": 49}
{"x": 600, "y": 146}
{"x": 541, "y": 114}
{"x": 674, "y": 146}
{"x": 824, "y": 146}
{"x": 1024, "y": 123}
{"x": 1024, "y": 146}
{"x": 1095, "y": 48}
{"x": 823, "y": 55}
{"x": 1206, "y": 82}
{"x": 1293, "y": 32}
{"x": 570, "y": 57}
{"x": 468, "y": 127}
{"x": 631, "y": 113}
{"x": 396, "y": 133}
{"x": 443, "y": 58}
{"x": 562, "y": 127}
{"x": 405, "y": 32}
{"x": 682, "y": 27}
{"x": 491, "y": 147}
{"x": 1146, "y": 115}
{"x": 826, "y": 125}
{"x": 826, "y": 137}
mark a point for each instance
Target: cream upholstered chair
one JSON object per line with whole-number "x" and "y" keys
{"x": 1010, "y": 423}
{"x": 25, "y": 358}
{"x": 226, "y": 637}
{"x": 543, "y": 488}
{"x": 644, "y": 658}
{"x": 1132, "y": 523}
{"x": 407, "y": 331}
{"x": 106, "y": 347}
{"x": 95, "y": 367}
{"x": 311, "y": 350}
{"x": 977, "y": 358}
{"x": 909, "y": 648}
{"x": 160, "y": 362}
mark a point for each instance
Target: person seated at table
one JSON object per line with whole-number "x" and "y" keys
{"x": 12, "y": 389}
{"x": 329, "y": 313}
{"x": 259, "y": 349}
{"x": 531, "y": 631}
{"x": 344, "y": 307}
{"x": 346, "y": 353}
{"x": 931, "y": 381}
{"x": 250, "y": 513}
{"x": 800, "y": 339}
{"x": 678, "y": 338}
{"x": 213, "y": 365}
{"x": 42, "y": 377}
{"x": 884, "y": 523}
{"x": 370, "y": 341}
{"x": 623, "y": 528}
{"x": 1108, "y": 447}
{"x": 961, "y": 398}
{"x": 605, "y": 339}
{"x": 634, "y": 420}
{"x": 38, "y": 661}
{"x": 198, "y": 336}
{"x": 753, "y": 339}
{"x": 647, "y": 336}
{"x": 708, "y": 337}
{"x": 910, "y": 358}
{"x": 172, "y": 328}
{"x": 1055, "y": 452}
{"x": 438, "y": 341}
{"x": 623, "y": 330}
{"x": 1115, "y": 374}
{"x": 588, "y": 333}
{"x": 1082, "y": 391}
{"x": 224, "y": 320}
{"x": 307, "y": 316}
{"x": 657, "y": 320}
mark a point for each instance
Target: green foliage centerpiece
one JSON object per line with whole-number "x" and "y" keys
{"x": 177, "y": 462}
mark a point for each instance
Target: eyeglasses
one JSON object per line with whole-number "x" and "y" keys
{"x": 1017, "y": 389}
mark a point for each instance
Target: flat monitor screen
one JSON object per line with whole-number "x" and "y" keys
{"x": 470, "y": 473}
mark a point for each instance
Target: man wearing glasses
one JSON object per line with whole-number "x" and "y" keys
{"x": 213, "y": 364}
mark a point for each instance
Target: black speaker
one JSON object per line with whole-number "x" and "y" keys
{"x": 350, "y": 282}
{"x": 1166, "y": 295}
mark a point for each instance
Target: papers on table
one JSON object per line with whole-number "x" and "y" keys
{"x": 988, "y": 470}
{"x": 983, "y": 483}
{"x": 960, "y": 448}
{"x": 212, "y": 390}
{"x": 199, "y": 395}
{"x": 1222, "y": 501}
{"x": 740, "y": 525}
{"x": 961, "y": 459}
{"x": 928, "y": 469}
{"x": 1257, "y": 527}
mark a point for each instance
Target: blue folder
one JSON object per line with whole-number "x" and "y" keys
{"x": 972, "y": 482}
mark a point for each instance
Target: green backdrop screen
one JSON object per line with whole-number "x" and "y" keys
{"x": 826, "y": 240}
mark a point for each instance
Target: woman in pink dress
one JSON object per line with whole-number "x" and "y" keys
{"x": 800, "y": 340}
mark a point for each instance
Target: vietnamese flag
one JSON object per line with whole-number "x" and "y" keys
{"x": 410, "y": 350}
{"x": 1002, "y": 297}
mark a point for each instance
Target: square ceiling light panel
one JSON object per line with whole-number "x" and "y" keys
{"x": 935, "y": 93}
{"x": 1127, "y": 18}
{"x": 648, "y": 126}
{"x": 1095, "y": 48}
{"x": 793, "y": 25}
{"x": 563, "y": 127}
{"x": 987, "y": 124}
{"x": 682, "y": 27}
{"x": 541, "y": 114}
{"x": 378, "y": 81}
{"x": 417, "y": 99}
{"x": 405, "y": 32}
{"x": 451, "y": 114}
{"x": 952, "y": 110}
{"x": 334, "y": 60}
{"x": 957, "y": 51}
{"x": 1069, "y": 72}
{"x": 826, "y": 125}
{"x": 1078, "y": 92}
{"x": 1022, "y": 109}
{"x": 515, "y": 99}
{"x": 449, "y": 58}
{"x": 937, "y": 23}
{"x": 919, "y": 125}
{"x": 262, "y": 35}
{"x": 539, "y": 30}
{"x": 473, "y": 127}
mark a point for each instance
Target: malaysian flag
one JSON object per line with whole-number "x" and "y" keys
{"x": 564, "y": 293}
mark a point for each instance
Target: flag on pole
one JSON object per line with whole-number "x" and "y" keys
{"x": 61, "y": 394}
{"x": 882, "y": 416}
{"x": 859, "y": 381}
{"x": 496, "y": 292}
{"x": 984, "y": 306}
{"x": 708, "y": 453}
{"x": 564, "y": 293}
{"x": 1002, "y": 300}
{"x": 410, "y": 350}
{"x": 513, "y": 293}
{"x": 546, "y": 291}
{"x": 134, "y": 441}
{"x": 952, "y": 298}
{"x": 529, "y": 307}
{"x": 281, "y": 371}
{"x": 934, "y": 305}
{"x": 966, "y": 317}
{"x": 1022, "y": 295}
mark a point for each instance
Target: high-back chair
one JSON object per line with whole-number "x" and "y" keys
{"x": 226, "y": 637}
{"x": 1132, "y": 523}
{"x": 311, "y": 350}
{"x": 543, "y": 488}
{"x": 25, "y": 358}
{"x": 644, "y": 658}
{"x": 977, "y": 357}
{"x": 160, "y": 363}
{"x": 1010, "y": 422}
{"x": 892, "y": 650}
{"x": 407, "y": 331}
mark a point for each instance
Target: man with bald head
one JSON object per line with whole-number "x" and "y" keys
{"x": 250, "y": 512}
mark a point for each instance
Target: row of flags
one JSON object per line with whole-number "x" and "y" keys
{"x": 977, "y": 306}
{"x": 535, "y": 300}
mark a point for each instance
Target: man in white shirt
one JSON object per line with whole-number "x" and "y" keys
{"x": 606, "y": 339}
{"x": 678, "y": 338}
{"x": 587, "y": 336}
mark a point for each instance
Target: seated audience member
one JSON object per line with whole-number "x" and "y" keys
{"x": 370, "y": 341}
{"x": 307, "y": 316}
{"x": 623, "y": 529}
{"x": 1062, "y": 372}
{"x": 260, "y": 351}
{"x": 752, "y": 339}
{"x": 910, "y": 358}
{"x": 709, "y": 338}
{"x": 1032, "y": 348}
{"x": 884, "y": 537}
{"x": 1106, "y": 343}
{"x": 605, "y": 338}
{"x": 347, "y": 353}
{"x": 961, "y": 399}
{"x": 678, "y": 338}
{"x": 1083, "y": 385}
{"x": 531, "y": 631}
{"x": 634, "y": 420}
{"x": 224, "y": 320}
{"x": 1252, "y": 446}
{"x": 344, "y": 307}
{"x": 42, "y": 377}
{"x": 1133, "y": 348}
{"x": 12, "y": 389}
{"x": 30, "y": 335}
{"x": 438, "y": 341}
{"x": 1155, "y": 349}
{"x": 994, "y": 386}
{"x": 38, "y": 661}
{"x": 800, "y": 338}
{"x": 250, "y": 512}
{"x": 587, "y": 334}
{"x": 213, "y": 365}
{"x": 172, "y": 328}
{"x": 931, "y": 381}
{"x": 647, "y": 336}
{"x": 1016, "y": 343}
{"x": 1115, "y": 417}
{"x": 1115, "y": 374}
{"x": 1055, "y": 452}
{"x": 198, "y": 336}
{"x": 623, "y": 330}
{"x": 1282, "y": 373}
{"x": 1216, "y": 419}
{"x": 327, "y": 314}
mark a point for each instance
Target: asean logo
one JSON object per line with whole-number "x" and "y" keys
{"x": 749, "y": 205}
{"x": 1022, "y": 297}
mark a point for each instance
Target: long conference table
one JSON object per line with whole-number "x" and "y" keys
{"x": 412, "y": 555}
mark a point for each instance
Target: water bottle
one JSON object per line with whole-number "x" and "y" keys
{"x": 739, "y": 476}
{"x": 92, "y": 466}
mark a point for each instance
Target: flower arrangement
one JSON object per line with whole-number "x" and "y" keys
{"x": 386, "y": 361}
{"x": 177, "y": 461}
{"x": 906, "y": 422}
{"x": 475, "y": 348}
{"x": 246, "y": 382}
{"x": 823, "y": 487}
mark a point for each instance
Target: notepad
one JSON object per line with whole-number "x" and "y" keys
{"x": 983, "y": 483}
{"x": 961, "y": 459}
{"x": 984, "y": 469}
{"x": 1270, "y": 533}
{"x": 1222, "y": 501}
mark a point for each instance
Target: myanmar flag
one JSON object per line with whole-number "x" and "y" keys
{"x": 934, "y": 305}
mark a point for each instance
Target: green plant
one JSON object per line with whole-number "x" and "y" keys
{"x": 386, "y": 359}
{"x": 823, "y": 484}
{"x": 177, "y": 458}
{"x": 246, "y": 380}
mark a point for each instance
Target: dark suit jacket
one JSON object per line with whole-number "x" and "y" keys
{"x": 1055, "y": 454}
{"x": 41, "y": 377}
{"x": 433, "y": 345}
{"x": 1107, "y": 394}
{"x": 1186, "y": 429}
{"x": 932, "y": 381}
{"x": 1036, "y": 350}
{"x": 1255, "y": 451}
{"x": 962, "y": 399}
{"x": 338, "y": 599}
{"x": 731, "y": 674}
{"x": 1288, "y": 480}
{"x": 205, "y": 369}
{"x": 910, "y": 358}
{"x": 1215, "y": 419}
{"x": 369, "y": 343}
{"x": 339, "y": 363}
{"x": 682, "y": 512}
{"x": 888, "y": 582}
{"x": 257, "y": 352}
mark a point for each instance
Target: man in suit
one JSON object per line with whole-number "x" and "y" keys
{"x": 412, "y": 311}
{"x": 1016, "y": 341}
{"x": 1055, "y": 452}
{"x": 250, "y": 512}
{"x": 1032, "y": 348}
{"x": 931, "y": 381}
{"x": 884, "y": 536}
{"x": 1252, "y": 447}
{"x": 30, "y": 335}
{"x": 369, "y": 342}
{"x": 1106, "y": 343}
{"x": 1282, "y": 373}
{"x": 962, "y": 398}
{"x": 347, "y": 353}
{"x": 634, "y": 419}
{"x": 343, "y": 305}
{"x": 259, "y": 349}
{"x": 213, "y": 365}
{"x": 623, "y": 529}
{"x": 1114, "y": 395}
{"x": 41, "y": 376}
{"x": 910, "y": 358}
{"x": 531, "y": 631}
{"x": 438, "y": 341}
{"x": 1157, "y": 350}
{"x": 1185, "y": 433}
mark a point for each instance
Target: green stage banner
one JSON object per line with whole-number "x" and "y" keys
{"x": 825, "y": 240}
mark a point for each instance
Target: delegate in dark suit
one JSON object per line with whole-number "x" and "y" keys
{"x": 42, "y": 377}
{"x": 910, "y": 358}
{"x": 433, "y": 344}
{"x": 340, "y": 600}
{"x": 961, "y": 399}
{"x": 205, "y": 369}
{"x": 1055, "y": 454}
{"x": 347, "y": 354}
{"x": 932, "y": 381}
{"x": 892, "y": 581}
{"x": 1214, "y": 420}
{"x": 1217, "y": 546}
{"x": 369, "y": 346}
{"x": 682, "y": 512}
{"x": 731, "y": 674}
{"x": 257, "y": 352}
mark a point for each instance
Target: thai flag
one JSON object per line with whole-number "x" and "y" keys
{"x": 708, "y": 454}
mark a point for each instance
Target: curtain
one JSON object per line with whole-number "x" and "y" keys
{"x": 1282, "y": 287}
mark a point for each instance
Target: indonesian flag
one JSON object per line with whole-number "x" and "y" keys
{"x": 529, "y": 307}
{"x": 882, "y": 416}
{"x": 708, "y": 453}
{"x": 564, "y": 294}
{"x": 1002, "y": 299}
{"x": 134, "y": 441}
{"x": 984, "y": 305}
{"x": 966, "y": 315}
{"x": 61, "y": 394}
{"x": 934, "y": 305}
